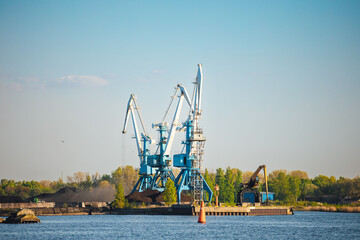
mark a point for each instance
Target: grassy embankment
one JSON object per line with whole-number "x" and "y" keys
{"x": 310, "y": 206}
{"x": 317, "y": 206}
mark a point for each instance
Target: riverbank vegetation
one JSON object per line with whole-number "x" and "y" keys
{"x": 126, "y": 176}
{"x": 290, "y": 187}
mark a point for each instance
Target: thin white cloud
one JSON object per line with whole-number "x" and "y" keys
{"x": 86, "y": 80}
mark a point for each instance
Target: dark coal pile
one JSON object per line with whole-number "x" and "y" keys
{"x": 77, "y": 195}
{"x": 11, "y": 199}
{"x": 147, "y": 196}
{"x": 153, "y": 196}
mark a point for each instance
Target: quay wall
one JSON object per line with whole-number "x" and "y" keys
{"x": 53, "y": 205}
{"x": 27, "y": 205}
{"x": 223, "y": 211}
{"x": 58, "y": 211}
{"x": 173, "y": 210}
{"x": 216, "y": 211}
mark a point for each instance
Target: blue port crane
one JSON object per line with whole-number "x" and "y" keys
{"x": 190, "y": 161}
{"x": 146, "y": 171}
{"x": 155, "y": 168}
{"x": 162, "y": 160}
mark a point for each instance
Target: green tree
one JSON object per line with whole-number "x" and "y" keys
{"x": 116, "y": 176}
{"x": 229, "y": 186}
{"x": 324, "y": 185}
{"x": 347, "y": 188}
{"x": 128, "y": 177}
{"x": 170, "y": 193}
{"x": 220, "y": 180}
{"x": 321, "y": 181}
{"x": 299, "y": 174}
{"x": 210, "y": 181}
{"x": 120, "y": 201}
{"x": 280, "y": 185}
{"x": 294, "y": 185}
{"x": 237, "y": 182}
{"x": 305, "y": 188}
{"x": 274, "y": 174}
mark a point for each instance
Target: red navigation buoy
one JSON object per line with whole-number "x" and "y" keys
{"x": 202, "y": 218}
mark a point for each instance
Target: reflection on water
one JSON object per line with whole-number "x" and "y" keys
{"x": 302, "y": 225}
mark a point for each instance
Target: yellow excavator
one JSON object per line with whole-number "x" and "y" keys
{"x": 248, "y": 192}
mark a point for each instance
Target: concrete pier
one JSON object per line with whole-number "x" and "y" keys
{"x": 232, "y": 211}
{"x": 223, "y": 211}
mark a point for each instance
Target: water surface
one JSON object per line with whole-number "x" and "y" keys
{"x": 302, "y": 225}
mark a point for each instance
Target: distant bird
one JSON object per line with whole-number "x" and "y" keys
{"x": 62, "y": 141}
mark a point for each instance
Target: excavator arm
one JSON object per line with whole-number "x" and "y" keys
{"x": 253, "y": 182}
{"x": 250, "y": 187}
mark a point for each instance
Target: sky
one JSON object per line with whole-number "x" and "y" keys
{"x": 281, "y": 82}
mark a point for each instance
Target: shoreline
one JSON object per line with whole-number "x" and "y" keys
{"x": 170, "y": 210}
{"x": 74, "y": 211}
{"x": 55, "y": 211}
{"x": 329, "y": 209}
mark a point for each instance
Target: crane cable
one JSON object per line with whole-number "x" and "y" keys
{"x": 122, "y": 149}
{"x": 171, "y": 102}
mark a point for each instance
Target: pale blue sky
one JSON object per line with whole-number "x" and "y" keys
{"x": 281, "y": 87}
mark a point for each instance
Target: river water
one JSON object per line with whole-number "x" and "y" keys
{"x": 302, "y": 225}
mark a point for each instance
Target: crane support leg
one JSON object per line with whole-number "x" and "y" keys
{"x": 182, "y": 183}
{"x": 207, "y": 189}
{"x": 143, "y": 183}
{"x": 160, "y": 178}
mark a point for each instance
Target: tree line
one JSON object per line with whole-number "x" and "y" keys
{"x": 288, "y": 186}
{"x": 127, "y": 176}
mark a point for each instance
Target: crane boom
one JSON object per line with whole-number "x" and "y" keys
{"x": 195, "y": 111}
{"x": 131, "y": 107}
{"x": 199, "y": 79}
{"x": 127, "y": 113}
{"x": 175, "y": 122}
